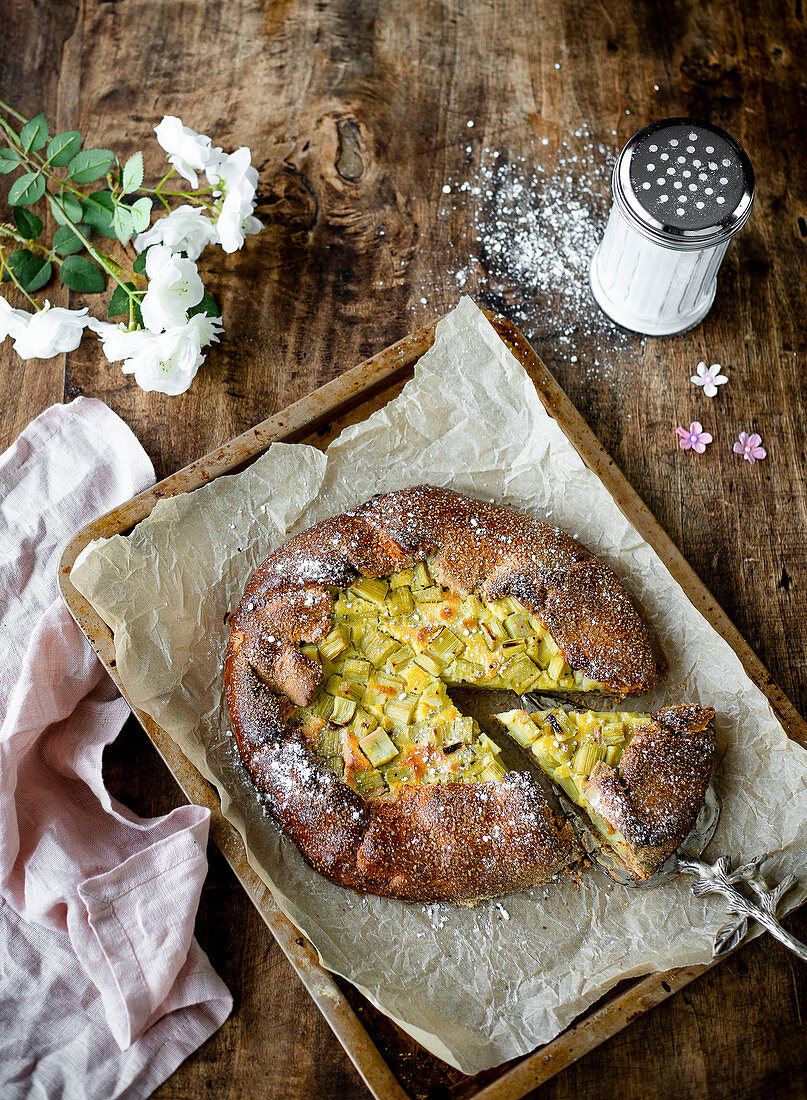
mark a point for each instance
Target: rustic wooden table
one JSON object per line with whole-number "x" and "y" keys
{"x": 410, "y": 152}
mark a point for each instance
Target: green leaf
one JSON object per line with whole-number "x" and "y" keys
{"x": 119, "y": 302}
{"x": 90, "y": 165}
{"x": 99, "y": 208}
{"x": 82, "y": 274}
{"x": 26, "y": 190}
{"x": 208, "y": 305}
{"x": 140, "y": 263}
{"x": 32, "y": 271}
{"x": 141, "y": 214}
{"x": 65, "y": 206}
{"x": 28, "y": 224}
{"x": 122, "y": 220}
{"x": 9, "y": 160}
{"x": 65, "y": 241}
{"x": 132, "y": 174}
{"x": 34, "y": 133}
{"x": 63, "y": 147}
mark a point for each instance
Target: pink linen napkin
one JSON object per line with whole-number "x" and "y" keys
{"x": 103, "y": 988}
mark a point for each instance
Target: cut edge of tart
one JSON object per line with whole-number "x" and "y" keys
{"x": 447, "y": 830}
{"x": 639, "y": 778}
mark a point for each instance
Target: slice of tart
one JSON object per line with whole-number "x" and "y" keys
{"x": 640, "y": 778}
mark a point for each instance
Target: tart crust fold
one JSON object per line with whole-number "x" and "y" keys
{"x": 653, "y": 798}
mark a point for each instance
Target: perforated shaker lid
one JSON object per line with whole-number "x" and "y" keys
{"x": 685, "y": 184}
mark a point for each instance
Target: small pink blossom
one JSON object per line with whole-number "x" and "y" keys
{"x": 694, "y": 436}
{"x": 749, "y": 447}
{"x": 709, "y": 377}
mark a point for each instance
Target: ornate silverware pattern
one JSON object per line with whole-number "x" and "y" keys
{"x": 719, "y": 878}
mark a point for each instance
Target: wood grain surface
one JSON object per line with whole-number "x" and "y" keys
{"x": 357, "y": 114}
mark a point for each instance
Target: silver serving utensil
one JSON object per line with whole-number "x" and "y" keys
{"x": 712, "y": 878}
{"x": 718, "y": 878}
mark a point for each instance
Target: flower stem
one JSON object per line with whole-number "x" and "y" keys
{"x": 14, "y": 114}
{"x": 7, "y": 231}
{"x": 112, "y": 269}
{"x": 5, "y": 267}
{"x": 106, "y": 262}
{"x": 11, "y": 135}
{"x": 39, "y": 165}
{"x": 165, "y": 178}
{"x": 191, "y": 196}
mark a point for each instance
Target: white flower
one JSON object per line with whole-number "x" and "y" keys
{"x": 235, "y": 182}
{"x": 117, "y": 342}
{"x": 50, "y": 331}
{"x": 12, "y": 321}
{"x": 174, "y": 287}
{"x": 165, "y": 362}
{"x": 709, "y": 377}
{"x": 185, "y": 229}
{"x": 188, "y": 152}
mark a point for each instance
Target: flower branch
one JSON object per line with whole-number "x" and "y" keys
{"x": 170, "y": 318}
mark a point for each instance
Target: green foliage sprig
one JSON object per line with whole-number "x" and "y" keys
{"x": 91, "y": 195}
{"x": 57, "y": 170}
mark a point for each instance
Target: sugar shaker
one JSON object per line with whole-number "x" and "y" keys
{"x": 682, "y": 189}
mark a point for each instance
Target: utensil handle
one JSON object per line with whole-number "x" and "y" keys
{"x": 774, "y": 927}
{"x": 718, "y": 878}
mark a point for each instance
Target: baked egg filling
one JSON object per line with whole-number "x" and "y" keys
{"x": 382, "y": 717}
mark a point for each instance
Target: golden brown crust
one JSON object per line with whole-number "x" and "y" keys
{"x": 464, "y": 841}
{"x": 420, "y": 843}
{"x": 444, "y": 842}
{"x": 654, "y": 797}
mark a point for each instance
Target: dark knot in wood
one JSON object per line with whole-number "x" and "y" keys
{"x": 349, "y": 163}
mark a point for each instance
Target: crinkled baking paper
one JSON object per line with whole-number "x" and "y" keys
{"x": 476, "y": 986}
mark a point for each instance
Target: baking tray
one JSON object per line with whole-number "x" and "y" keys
{"x": 394, "y": 1066}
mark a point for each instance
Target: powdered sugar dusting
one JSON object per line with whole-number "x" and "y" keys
{"x": 536, "y": 221}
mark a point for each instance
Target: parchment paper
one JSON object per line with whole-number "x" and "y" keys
{"x": 475, "y": 986}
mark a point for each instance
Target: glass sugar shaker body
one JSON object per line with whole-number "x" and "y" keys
{"x": 682, "y": 189}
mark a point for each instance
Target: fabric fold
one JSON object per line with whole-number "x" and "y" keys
{"x": 155, "y": 891}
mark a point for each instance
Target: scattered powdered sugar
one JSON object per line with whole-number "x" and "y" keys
{"x": 535, "y": 223}
{"x": 437, "y": 914}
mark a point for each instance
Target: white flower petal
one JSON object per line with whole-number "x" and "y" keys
{"x": 188, "y": 151}
{"x": 12, "y": 321}
{"x": 185, "y": 229}
{"x": 117, "y": 342}
{"x": 167, "y": 362}
{"x": 251, "y": 225}
{"x": 235, "y": 182}
{"x": 174, "y": 287}
{"x": 51, "y": 331}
